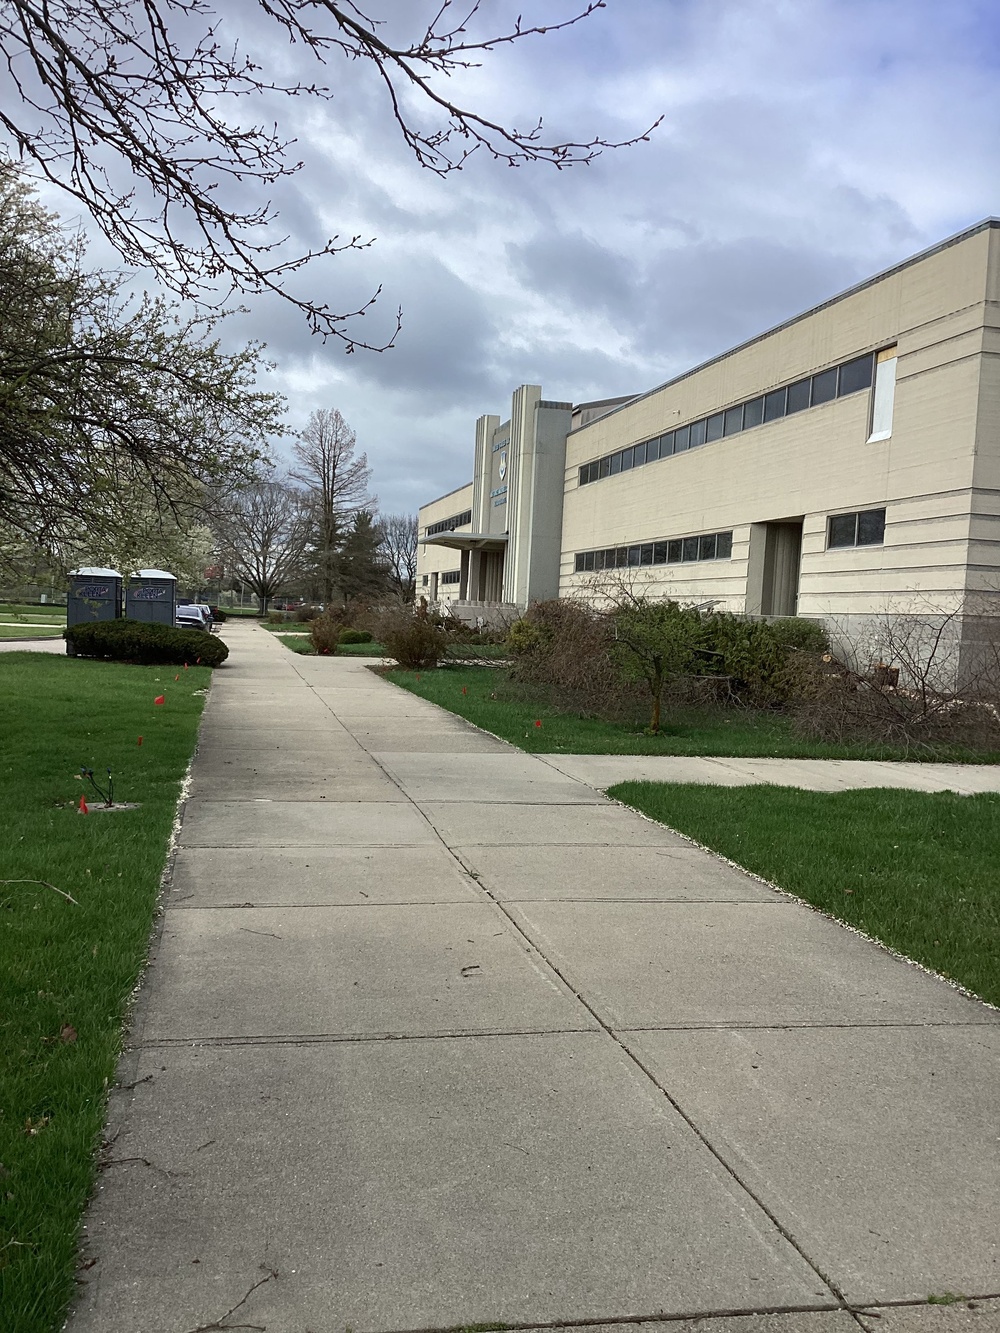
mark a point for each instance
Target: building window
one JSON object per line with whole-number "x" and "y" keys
{"x": 799, "y": 395}
{"x": 450, "y": 524}
{"x": 824, "y": 387}
{"x": 426, "y": 579}
{"x": 854, "y": 376}
{"x": 753, "y": 413}
{"x": 774, "y": 404}
{"x": 865, "y": 528}
{"x": 813, "y": 391}
{"x": 452, "y": 576}
{"x": 885, "y": 393}
{"x": 710, "y": 546}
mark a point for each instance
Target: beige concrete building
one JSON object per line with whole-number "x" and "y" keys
{"x": 842, "y": 465}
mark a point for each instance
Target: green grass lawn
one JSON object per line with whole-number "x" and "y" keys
{"x": 484, "y": 696}
{"x": 67, "y": 968}
{"x": 9, "y": 631}
{"x": 919, "y": 871}
{"x": 15, "y": 612}
{"x": 302, "y": 644}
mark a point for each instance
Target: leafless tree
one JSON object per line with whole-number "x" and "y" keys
{"x": 335, "y": 479}
{"x": 399, "y": 550}
{"x": 153, "y": 87}
{"x": 263, "y": 533}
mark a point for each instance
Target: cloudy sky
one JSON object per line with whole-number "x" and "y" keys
{"x": 806, "y": 144}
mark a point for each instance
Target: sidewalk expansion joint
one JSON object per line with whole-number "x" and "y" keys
{"x": 298, "y": 846}
{"x": 602, "y": 803}
{"x": 737, "y": 1026}
{"x": 185, "y": 906}
{"x": 665, "y": 902}
{"x": 693, "y": 1316}
{"x": 358, "y": 1038}
{"x": 660, "y": 1317}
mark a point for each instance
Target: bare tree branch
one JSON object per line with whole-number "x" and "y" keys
{"x": 263, "y": 530}
{"x": 43, "y": 883}
{"x": 399, "y": 550}
{"x": 154, "y": 86}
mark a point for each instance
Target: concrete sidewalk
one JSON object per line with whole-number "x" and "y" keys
{"x": 436, "y": 1035}
{"x": 604, "y": 770}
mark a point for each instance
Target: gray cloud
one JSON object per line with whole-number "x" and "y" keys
{"x": 805, "y": 147}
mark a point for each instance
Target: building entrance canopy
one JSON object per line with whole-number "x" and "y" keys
{"x": 468, "y": 541}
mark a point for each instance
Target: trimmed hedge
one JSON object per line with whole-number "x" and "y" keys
{"x": 148, "y": 645}
{"x": 355, "y": 636}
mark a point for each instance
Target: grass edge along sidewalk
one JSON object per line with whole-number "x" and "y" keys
{"x": 301, "y": 643}
{"x": 69, "y": 967}
{"x": 917, "y": 871}
{"x": 8, "y": 632}
{"x": 483, "y": 697}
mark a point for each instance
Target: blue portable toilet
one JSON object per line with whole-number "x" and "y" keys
{"x": 94, "y": 594}
{"x": 151, "y": 596}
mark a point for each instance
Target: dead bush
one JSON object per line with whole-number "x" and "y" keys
{"x": 902, "y": 683}
{"x": 324, "y": 631}
{"x": 564, "y": 643}
{"x": 412, "y": 639}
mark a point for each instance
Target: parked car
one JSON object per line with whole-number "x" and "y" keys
{"x": 209, "y": 616}
{"x": 192, "y": 617}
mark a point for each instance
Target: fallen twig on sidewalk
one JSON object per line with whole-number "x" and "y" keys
{"x": 220, "y": 1323}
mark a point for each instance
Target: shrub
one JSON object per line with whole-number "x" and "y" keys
{"x": 150, "y": 645}
{"x": 750, "y": 655}
{"x": 523, "y": 637}
{"x": 218, "y": 615}
{"x": 304, "y": 614}
{"x": 417, "y": 646}
{"x": 808, "y": 636}
{"x": 415, "y": 641}
{"x": 655, "y": 642}
{"x": 355, "y": 636}
{"x": 325, "y": 630}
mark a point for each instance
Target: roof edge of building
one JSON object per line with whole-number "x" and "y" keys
{"x": 464, "y": 487}
{"x": 985, "y": 225}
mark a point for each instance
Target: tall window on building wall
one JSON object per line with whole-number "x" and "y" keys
{"x": 885, "y": 393}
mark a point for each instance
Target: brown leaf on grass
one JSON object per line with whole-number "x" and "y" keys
{"x": 67, "y": 1033}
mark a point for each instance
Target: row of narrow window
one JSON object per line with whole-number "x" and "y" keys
{"x": 452, "y": 576}
{"x": 711, "y": 546}
{"x": 866, "y": 527}
{"x": 450, "y": 524}
{"x": 851, "y": 377}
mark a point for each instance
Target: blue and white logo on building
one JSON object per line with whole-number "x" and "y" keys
{"x": 503, "y": 465}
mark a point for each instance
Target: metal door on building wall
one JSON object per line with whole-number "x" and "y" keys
{"x": 773, "y": 570}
